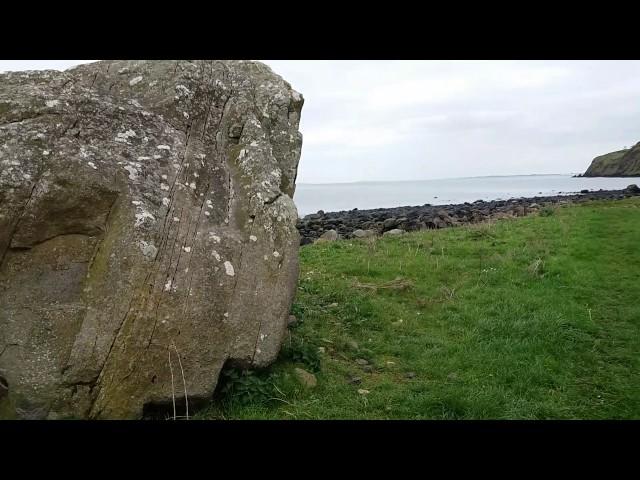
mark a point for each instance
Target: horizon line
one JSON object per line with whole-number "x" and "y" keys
{"x": 439, "y": 178}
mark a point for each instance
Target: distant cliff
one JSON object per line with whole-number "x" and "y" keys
{"x": 623, "y": 163}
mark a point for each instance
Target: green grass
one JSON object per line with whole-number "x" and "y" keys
{"x": 531, "y": 318}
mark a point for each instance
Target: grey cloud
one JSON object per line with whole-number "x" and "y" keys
{"x": 401, "y": 120}
{"x": 433, "y": 119}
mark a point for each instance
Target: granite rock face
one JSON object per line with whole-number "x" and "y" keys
{"x": 147, "y": 232}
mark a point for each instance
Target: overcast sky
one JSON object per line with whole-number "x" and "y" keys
{"x": 410, "y": 120}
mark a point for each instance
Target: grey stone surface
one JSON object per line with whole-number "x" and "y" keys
{"x": 329, "y": 236}
{"x": 364, "y": 233}
{"x": 147, "y": 232}
{"x": 394, "y": 232}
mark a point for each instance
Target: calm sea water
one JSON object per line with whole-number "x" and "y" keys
{"x": 330, "y": 197}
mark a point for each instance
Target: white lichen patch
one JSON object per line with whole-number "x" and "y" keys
{"x": 228, "y": 268}
{"x": 176, "y": 219}
{"x": 207, "y": 214}
{"x": 135, "y": 81}
{"x": 186, "y": 249}
{"x": 46, "y": 152}
{"x": 165, "y": 201}
{"x": 164, "y": 186}
{"x": 133, "y": 173}
{"x": 167, "y": 286}
{"x": 142, "y": 159}
{"x": 163, "y": 147}
{"x": 192, "y": 185}
{"x": 276, "y": 254}
{"x": 135, "y": 104}
{"x": 92, "y": 165}
{"x": 182, "y": 90}
{"x": 164, "y": 177}
{"x": 52, "y": 103}
{"x": 142, "y": 216}
{"x": 214, "y": 237}
{"x": 253, "y": 238}
{"x": 216, "y": 255}
{"x": 148, "y": 249}
{"x": 123, "y": 137}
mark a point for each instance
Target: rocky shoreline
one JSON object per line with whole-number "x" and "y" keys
{"x": 356, "y": 223}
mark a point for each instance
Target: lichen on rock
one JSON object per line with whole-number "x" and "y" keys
{"x": 117, "y": 179}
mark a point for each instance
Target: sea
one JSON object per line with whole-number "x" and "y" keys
{"x": 331, "y": 197}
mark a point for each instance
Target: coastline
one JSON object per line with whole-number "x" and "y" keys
{"x": 361, "y": 223}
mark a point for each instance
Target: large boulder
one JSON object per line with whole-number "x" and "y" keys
{"x": 147, "y": 233}
{"x": 328, "y": 236}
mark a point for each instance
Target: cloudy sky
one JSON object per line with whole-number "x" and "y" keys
{"x": 410, "y": 120}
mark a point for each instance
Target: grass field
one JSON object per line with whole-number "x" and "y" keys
{"x": 530, "y": 318}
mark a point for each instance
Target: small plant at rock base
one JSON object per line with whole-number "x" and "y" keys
{"x": 297, "y": 310}
{"x": 546, "y": 212}
{"x": 303, "y": 352}
{"x": 246, "y": 387}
